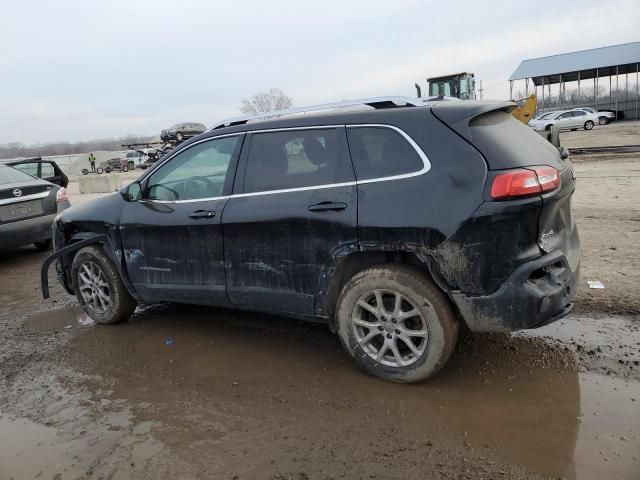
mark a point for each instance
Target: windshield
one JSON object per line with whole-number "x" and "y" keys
{"x": 11, "y": 175}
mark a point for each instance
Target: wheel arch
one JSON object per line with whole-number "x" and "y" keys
{"x": 349, "y": 265}
{"x": 66, "y": 255}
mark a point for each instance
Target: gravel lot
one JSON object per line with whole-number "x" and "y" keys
{"x": 251, "y": 396}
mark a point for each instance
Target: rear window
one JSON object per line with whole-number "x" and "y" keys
{"x": 508, "y": 143}
{"x": 379, "y": 152}
{"x": 11, "y": 175}
{"x": 294, "y": 159}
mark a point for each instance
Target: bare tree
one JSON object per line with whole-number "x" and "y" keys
{"x": 272, "y": 99}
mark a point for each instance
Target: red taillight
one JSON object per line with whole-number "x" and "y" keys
{"x": 523, "y": 182}
{"x": 62, "y": 195}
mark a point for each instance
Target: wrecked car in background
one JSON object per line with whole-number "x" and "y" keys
{"x": 28, "y": 206}
{"x": 393, "y": 225}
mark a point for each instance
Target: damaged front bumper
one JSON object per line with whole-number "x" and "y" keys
{"x": 535, "y": 294}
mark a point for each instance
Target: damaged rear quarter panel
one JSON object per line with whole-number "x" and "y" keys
{"x": 418, "y": 214}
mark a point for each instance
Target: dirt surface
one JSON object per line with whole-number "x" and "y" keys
{"x": 607, "y": 210}
{"x": 189, "y": 392}
{"x": 613, "y": 134}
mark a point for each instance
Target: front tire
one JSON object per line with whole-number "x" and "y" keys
{"x": 396, "y": 324}
{"x": 603, "y": 120}
{"x": 179, "y": 136}
{"x": 99, "y": 288}
{"x": 588, "y": 125}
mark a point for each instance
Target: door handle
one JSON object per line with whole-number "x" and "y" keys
{"x": 199, "y": 214}
{"x": 327, "y": 207}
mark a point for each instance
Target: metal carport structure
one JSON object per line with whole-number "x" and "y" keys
{"x": 596, "y": 63}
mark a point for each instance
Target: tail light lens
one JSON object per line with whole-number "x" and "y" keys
{"x": 62, "y": 195}
{"x": 523, "y": 182}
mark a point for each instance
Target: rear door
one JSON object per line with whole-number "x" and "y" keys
{"x": 579, "y": 118}
{"x": 172, "y": 238}
{"x": 293, "y": 215}
{"x": 51, "y": 172}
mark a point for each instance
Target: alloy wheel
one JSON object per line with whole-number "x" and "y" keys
{"x": 390, "y": 328}
{"x": 94, "y": 287}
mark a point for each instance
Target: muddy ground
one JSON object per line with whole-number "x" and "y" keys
{"x": 187, "y": 392}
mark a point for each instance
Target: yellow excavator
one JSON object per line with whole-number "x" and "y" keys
{"x": 462, "y": 85}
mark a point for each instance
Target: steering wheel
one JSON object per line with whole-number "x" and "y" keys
{"x": 199, "y": 185}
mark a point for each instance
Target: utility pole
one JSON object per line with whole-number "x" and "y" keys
{"x": 481, "y": 90}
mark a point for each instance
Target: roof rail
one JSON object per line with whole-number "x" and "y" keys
{"x": 375, "y": 102}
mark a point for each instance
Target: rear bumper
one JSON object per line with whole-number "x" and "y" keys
{"x": 24, "y": 232}
{"x": 536, "y": 294}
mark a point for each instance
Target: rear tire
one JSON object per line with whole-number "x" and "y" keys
{"x": 410, "y": 308}
{"x": 99, "y": 288}
{"x": 43, "y": 246}
{"x": 85, "y": 171}
{"x": 588, "y": 125}
{"x": 99, "y": 170}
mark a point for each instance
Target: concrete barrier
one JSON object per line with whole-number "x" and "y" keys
{"x": 99, "y": 183}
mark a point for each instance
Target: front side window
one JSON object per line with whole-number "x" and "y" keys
{"x": 379, "y": 152}
{"x": 295, "y": 159}
{"x": 197, "y": 172}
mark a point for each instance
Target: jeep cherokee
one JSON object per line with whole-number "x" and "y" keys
{"x": 393, "y": 224}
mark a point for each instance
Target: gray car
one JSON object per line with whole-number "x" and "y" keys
{"x": 28, "y": 206}
{"x": 182, "y": 131}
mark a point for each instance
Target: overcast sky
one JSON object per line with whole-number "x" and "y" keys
{"x": 78, "y": 70}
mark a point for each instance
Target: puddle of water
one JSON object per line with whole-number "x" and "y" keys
{"x": 238, "y": 375}
{"x": 245, "y": 386}
{"x": 58, "y": 319}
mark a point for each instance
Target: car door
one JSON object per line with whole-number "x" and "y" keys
{"x": 171, "y": 237}
{"x": 565, "y": 120}
{"x": 579, "y": 118}
{"x": 292, "y": 216}
{"x": 51, "y": 172}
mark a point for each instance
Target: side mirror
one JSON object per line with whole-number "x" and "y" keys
{"x": 132, "y": 192}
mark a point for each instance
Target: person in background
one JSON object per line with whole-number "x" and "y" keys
{"x": 92, "y": 161}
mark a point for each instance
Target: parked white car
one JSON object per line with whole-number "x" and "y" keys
{"x": 604, "y": 116}
{"x": 565, "y": 120}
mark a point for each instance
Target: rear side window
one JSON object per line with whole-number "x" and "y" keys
{"x": 295, "y": 159}
{"x": 381, "y": 152}
{"x": 47, "y": 170}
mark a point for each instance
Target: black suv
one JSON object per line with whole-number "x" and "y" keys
{"x": 393, "y": 225}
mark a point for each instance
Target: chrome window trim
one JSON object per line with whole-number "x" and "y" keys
{"x": 426, "y": 164}
{"x": 33, "y": 196}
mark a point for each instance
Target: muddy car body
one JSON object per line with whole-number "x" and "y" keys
{"x": 393, "y": 225}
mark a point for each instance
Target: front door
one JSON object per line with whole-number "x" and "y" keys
{"x": 171, "y": 238}
{"x": 293, "y": 214}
